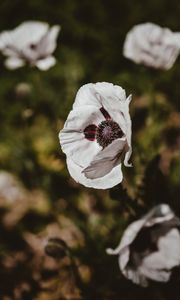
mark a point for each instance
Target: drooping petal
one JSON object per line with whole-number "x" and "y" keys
{"x": 14, "y": 63}
{"x": 46, "y": 63}
{"x": 105, "y": 160}
{"x": 128, "y": 237}
{"x": 105, "y": 182}
{"x": 142, "y": 265}
{"x": 72, "y": 137}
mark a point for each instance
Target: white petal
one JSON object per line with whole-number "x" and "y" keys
{"x": 72, "y": 138}
{"x": 151, "y": 45}
{"x": 136, "y": 276}
{"x": 128, "y": 131}
{"x": 168, "y": 254}
{"x": 154, "y": 274}
{"x": 46, "y": 63}
{"x": 14, "y": 63}
{"x": 176, "y": 38}
{"x": 113, "y": 99}
{"x": 86, "y": 95}
{"x": 28, "y": 33}
{"x": 158, "y": 214}
{"x": 105, "y": 160}
{"x": 128, "y": 237}
{"x": 100, "y": 94}
{"x": 47, "y": 44}
{"x": 5, "y": 39}
{"x": 105, "y": 182}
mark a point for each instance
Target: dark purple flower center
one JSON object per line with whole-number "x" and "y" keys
{"x": 106, "y": 132}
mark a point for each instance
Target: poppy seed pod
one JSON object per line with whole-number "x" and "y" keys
{"x": 150, "y": 247}
{"x": 56, "y": 248}
{"x": 97, "y": 135}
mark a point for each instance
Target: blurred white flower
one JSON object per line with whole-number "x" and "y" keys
{"x": 150, "y": 247}
{"x": 152, "y": 46}
{"x": 10, "y": 188}
{"x": 31, "y": 42}
{"x": 97, "y": 134}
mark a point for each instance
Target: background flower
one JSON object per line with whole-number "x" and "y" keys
{"x": 97, "y": 134}
{"x": 31, "y": 42}
{"x": 152, "y": 46}
{"x": 150, "y": 247}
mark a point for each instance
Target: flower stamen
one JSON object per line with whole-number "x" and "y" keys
{"x": 108, "y": 131}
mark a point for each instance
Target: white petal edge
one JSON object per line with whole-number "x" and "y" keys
{"x": 13, "y": 63}
{"x": 105, "y": 160}
{"x": 72, "y": 139}
{"x": 48, "y": 43}
{"x": 100, "y": 94}
{"x": 106, "y": 182}
{"x": 46, "y": 63}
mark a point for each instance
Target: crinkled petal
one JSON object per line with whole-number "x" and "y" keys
{"x": 14, "y": 63}
{"x": 152, "y": 45}
{"x": 86, "y": 95}
{"x": 46, "y": 63}
{"x": 113, "y": 99}
{"x": 72, "y": 138}
{"x": 105, "y": 160}
{"x": 101, "y": 94}
{"x": 105, "y": 182}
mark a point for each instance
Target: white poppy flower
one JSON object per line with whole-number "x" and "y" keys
{"x": 152, "y": 46}
{"x": 97, "y": 134}
{"x": 150, "y": 247}
{"x": 31, "y": 42}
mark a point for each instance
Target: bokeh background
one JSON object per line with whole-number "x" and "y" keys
{"x": 38, "y": 199}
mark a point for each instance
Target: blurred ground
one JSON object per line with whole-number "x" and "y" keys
{"x": 38, "y": 199}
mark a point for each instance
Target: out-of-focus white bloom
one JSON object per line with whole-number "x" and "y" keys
{"x": 150, "y": 247}
{"x": 10, "y": 188}
{"x": 32, "y": 42}
{"x": 97, "y": 134}
{"x": 152, "y": 46}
